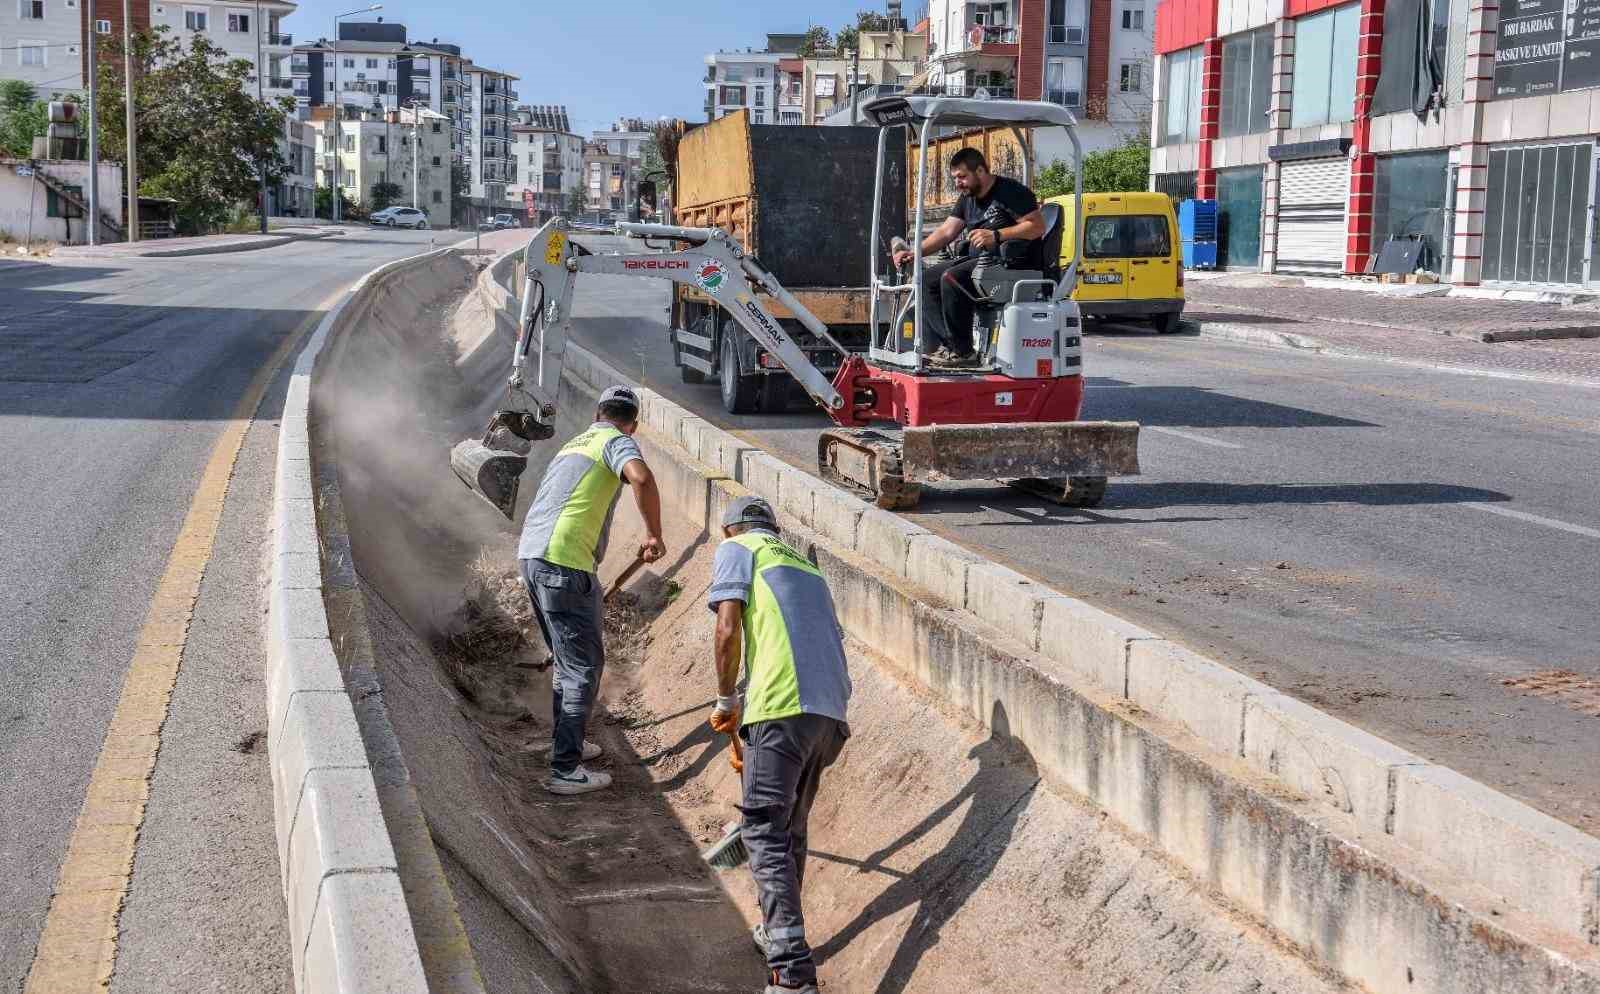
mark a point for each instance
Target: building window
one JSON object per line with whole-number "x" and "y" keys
{"x": 348, "y": 64}
{"x": 372, "y": 63}
{"x": 383, "y": 143}
{"x": 349, "y": 140}
{"x": 1181, "y": 84}
{"x": 435, "y": 158}
{"x": 1401, "y": 86}
{"x": 1129, "y": 80}
{"x": 761, "y": 117}
{"x": 1067, "y": 19}
{"x": 1325, "y": 67}
{"x": 104, "y": 28}
{"x": 32, "y": 10}
{"x": 438, "y": 195}
{"x": 31, "y": 55}
{"x": 58, "y": 206}
{"x": 1409, "y": 198}
{"x": 435, "y": 124}
{"x": 1133, "y": 18}
{"x": 196, "y": 20}
{"x": 732, "y": 96}
{"x": 1064, "y": 82}
{"x": 238, "y": 23}
{"x": 330, "y": 90}
{"x": 761, "y": 97}
{"x": 1246, "y": 82}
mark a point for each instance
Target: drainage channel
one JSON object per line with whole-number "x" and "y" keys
{"x": 940, "y": 860}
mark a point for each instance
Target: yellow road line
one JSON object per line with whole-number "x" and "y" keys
{"x": 78, "y": 945}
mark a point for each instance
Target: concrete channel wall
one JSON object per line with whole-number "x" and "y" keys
{"x": 1396, "y": 873}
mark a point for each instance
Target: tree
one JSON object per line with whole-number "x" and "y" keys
{"x": 23, "y": 117}
{"x": 1112, "y": 170}
{"x": 816, "y": 37}
{"x": 203, "y": 139}
{"x": 661, "y": 154}
{"x": 866, "y": 20}
{"x": 577, "y": 203}
{"x": 324, "y": 203}
{"x": 384, "y": 194}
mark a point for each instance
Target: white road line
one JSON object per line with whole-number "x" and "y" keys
{"x": 1193, "y": 437}
{"x": 1535, "y": 519}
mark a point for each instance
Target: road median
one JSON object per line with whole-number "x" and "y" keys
{"x": 1393, "y": 872}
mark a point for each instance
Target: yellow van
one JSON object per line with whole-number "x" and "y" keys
{"x": 1132, "y": 267}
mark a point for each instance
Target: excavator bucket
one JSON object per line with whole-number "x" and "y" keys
{"x": 1046, "y": 450}
{"x": 493, "y": 474}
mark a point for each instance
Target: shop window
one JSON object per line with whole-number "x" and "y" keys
{"x": 1180, "y": 79}
{"x": 1412, "y": 75}
{"x": 1410, "y": 194}
{"x": 1325, "y": 67}
{"x": 1246, "y": 82}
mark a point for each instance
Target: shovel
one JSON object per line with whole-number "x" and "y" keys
{"x": 627, "y": 575}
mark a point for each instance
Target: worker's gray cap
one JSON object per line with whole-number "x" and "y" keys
{"x": 749, "y": 511}
{"x": 620, "y": 393}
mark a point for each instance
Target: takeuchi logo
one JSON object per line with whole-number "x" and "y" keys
{"x": 711, "y": 275}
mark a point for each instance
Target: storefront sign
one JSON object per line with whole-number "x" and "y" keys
{"x": 1580, "y": 65}
{"x": 1528, "y": 53}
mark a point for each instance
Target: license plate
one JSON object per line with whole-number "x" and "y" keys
{"x": 1102, "y": 277}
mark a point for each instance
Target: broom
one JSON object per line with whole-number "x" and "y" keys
{"x": 730, "y": 853}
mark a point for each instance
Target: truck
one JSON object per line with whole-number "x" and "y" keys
{"x": 800, "y": 199}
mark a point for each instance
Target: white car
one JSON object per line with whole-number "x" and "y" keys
{"x": 400, "y": 217}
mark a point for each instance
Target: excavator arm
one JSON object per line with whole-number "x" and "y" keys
{"x": 710, "y": 261}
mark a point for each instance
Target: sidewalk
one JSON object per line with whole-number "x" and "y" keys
{"x": 1445, "y": 332}
{"x": 172, "y": 248}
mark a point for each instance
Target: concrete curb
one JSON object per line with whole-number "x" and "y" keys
{"x": 1393, "y": 871}
{"x": 348, "y": 919}
{"x": 1227, "y": 332}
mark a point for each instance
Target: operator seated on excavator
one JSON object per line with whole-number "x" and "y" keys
{"x": 992, "y": 212}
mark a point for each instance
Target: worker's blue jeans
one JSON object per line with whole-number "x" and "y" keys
{"x": 567, "y": 603}
{"x": 783, "y": 764}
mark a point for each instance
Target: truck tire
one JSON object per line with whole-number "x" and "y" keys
{"x": 741, "y": 392}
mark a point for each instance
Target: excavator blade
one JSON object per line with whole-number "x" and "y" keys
{"x": 493, "y": 474}
{"x": 1049, "y": 450}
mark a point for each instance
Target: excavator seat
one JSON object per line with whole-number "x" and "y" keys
{"x": 996, "y": 282}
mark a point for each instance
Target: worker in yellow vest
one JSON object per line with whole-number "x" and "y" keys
{"x": 776, "y": 617}
{"x": 563, "y": 539}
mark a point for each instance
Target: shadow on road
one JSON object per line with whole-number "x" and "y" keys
{"x": 1132, "y": 496}
{"x": 1198, "y": 407}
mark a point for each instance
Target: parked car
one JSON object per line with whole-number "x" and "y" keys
{"x": 505, "y": 221}
{"x": 1132, "y": 266}
{"x": 400, "y": 217}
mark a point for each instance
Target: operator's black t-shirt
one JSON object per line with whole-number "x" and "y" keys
{"x": 1007, "y": 203}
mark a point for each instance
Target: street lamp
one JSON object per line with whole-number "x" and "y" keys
{"x": 338, "y": 106}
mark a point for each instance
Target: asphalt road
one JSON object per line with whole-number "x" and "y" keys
{"x": 1387, "y": 543}
{"x": 116, "y": 378}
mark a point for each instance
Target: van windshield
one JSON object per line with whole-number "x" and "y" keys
{"x": 1126, "y": 236}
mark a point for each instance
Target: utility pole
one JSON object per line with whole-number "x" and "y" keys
{"x": 94, "y": 139}
{"x": 132, "y": 115}
{"x": 260, "y": 71}
{"x": 416, "y": 139}
{"x": 855, "y": 84}
{"x": 338, "y": 108}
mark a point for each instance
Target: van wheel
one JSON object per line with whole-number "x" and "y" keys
{"x": 741, "y": 394}
{"x": 1168, "y": 323}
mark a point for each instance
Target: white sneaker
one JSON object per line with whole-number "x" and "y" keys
{"x": 591, "y": 750}
{"x": 759, "y": 936}
{"x": 579, "y": 781}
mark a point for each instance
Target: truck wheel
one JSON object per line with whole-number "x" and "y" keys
{"x": 1168, "y": 323}
{"x": 741, "y": 394}
{"x": 775, "y": 393}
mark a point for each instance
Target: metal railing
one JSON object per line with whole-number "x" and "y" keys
{"x": 960, "y": 90}
{"x": 282, "y": 41}
{"x": 300, "y": 67}
{"x": 999, "y": 35}
{"x": 275, "y": 83}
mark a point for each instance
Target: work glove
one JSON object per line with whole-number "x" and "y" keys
{"x": 725, "y": 717}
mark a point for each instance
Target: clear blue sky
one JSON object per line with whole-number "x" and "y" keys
{"x": 604, "y": 59}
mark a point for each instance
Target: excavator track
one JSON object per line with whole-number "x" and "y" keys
{"x": 868, "y": 463}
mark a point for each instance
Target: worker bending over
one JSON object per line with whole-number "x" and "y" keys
{"x": 774, "y": 613}
{"x": 992, "y": 210}
{"x": 563, "y": 539}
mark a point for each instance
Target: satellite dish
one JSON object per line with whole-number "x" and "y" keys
{"x": 981, "y": 93}
{"x": 975, "y": 36}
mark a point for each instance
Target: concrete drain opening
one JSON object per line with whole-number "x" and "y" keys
{"x": 940, "y": 860}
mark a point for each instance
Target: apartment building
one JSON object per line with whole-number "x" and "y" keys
{"x": 295, "y": 194}
{"x": 1093, "y": 56}
{"x": 1326, "y": 129}
{"x": 886, "y": 59}
{"x": 549, "y": 156}
{"x": 487, "y": 97}
{"x": 44, "y": 42}
{"x": 613, "y": 166}
{"x": 747, "y": 79}
{"x": 410, "y": 148}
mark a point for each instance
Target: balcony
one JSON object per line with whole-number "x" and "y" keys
{"x": 1000, "y": 35}
{"x": 971, "y": 90}
{"x": 277, "y": 41}
{"x": 449, "y": 72}
{"x": 273, "y": 83}
{"x": 300, "y": 67}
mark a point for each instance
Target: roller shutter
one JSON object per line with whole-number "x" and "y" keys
{"x": 1311, "y": 216}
